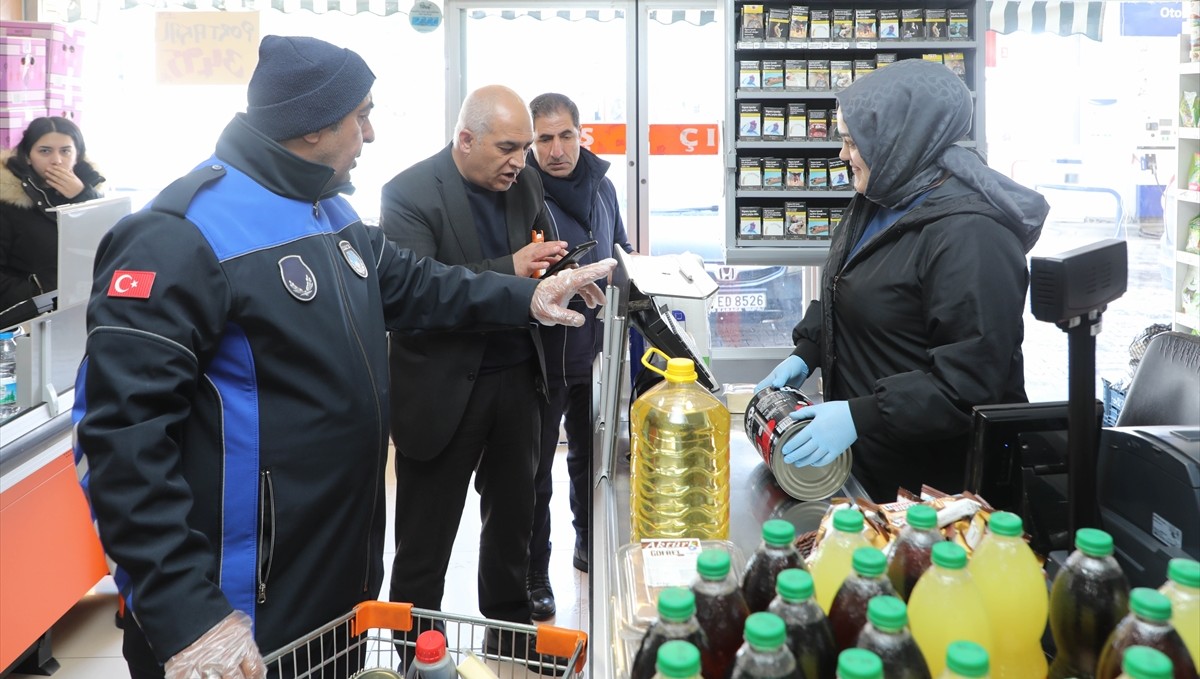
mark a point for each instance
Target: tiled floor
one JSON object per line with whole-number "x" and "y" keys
{"x": 88, "y": 646}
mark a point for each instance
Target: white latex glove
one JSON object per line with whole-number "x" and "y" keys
{"x": 549, "y": 305}
{"x": 227, "y": 651}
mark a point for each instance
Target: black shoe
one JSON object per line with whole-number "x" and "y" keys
{"x": 541, "y": 596}
{"x": 581, "y": 560}
{"x": 520, "y": 646}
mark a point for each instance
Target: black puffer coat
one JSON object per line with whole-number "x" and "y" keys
{"x": 28, "y": 231}
{"x": 917, "y": 327}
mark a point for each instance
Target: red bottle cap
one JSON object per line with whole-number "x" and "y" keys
{"x": 431, "y": 646}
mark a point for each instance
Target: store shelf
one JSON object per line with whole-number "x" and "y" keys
{"x": 1184, "y": 205}
{"x": 879, "y": 46}
{"x": 776, "y": 145}
{"x": 796, "y": 194}
{"x": 812, "y": 253}
{"x": 742, "y": 105}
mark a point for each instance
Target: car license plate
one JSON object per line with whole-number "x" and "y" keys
{"x": 741, "y": 301}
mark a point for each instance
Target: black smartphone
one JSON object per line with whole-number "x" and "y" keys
{"x": 570, "y": 258}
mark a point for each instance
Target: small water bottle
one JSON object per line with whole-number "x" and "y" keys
{"x": 431, "y": 661}
{"x": 8, "y": 375}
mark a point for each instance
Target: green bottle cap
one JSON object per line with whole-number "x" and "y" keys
{"x": 676, "y": 604}
{"x": 1006, "y": 524}
{"x": 1094, "y": 542}
{"x": 859, "y": 663}
{"x": 967, "y": 658}
{"x": 794, "y": 585}
{"x": 1143, "y": 662}
{"x": 848, "y": 521}
{"x": 869, "y": 562}
{"x": 713, "y": 564}
{"x": 1150, "y": 604}
{"x": 678, "y": 659}
{"x": 949, "y": 555}
{"x": 922, "y": 516}
{"x": 765, "y": 631}
{"x": 1184, "y": 571}
{"x": 887, "y": 613}
{"x": 778, "y": 533}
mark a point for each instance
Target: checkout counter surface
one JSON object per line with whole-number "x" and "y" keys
{"x": 754, "y": 498}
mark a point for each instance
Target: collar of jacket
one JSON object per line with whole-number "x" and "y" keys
{"x": 575, "y": 193}
{"x": 276, "y": 168}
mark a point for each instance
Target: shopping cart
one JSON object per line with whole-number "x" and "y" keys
{"x": 378, "y": 635}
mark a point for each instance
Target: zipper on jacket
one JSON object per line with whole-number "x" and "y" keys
{"x": 266, "y": 531}
{"x": 381, "y": 459}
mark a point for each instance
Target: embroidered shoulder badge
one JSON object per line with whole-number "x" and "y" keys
{"x": 353, "y": 258}
{"x": 298, "y": 279}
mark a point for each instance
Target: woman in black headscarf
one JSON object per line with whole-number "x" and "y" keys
{"x": 920, "y": 315}
{"x": 48, "y": 169}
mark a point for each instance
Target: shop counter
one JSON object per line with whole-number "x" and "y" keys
{"x": 754, "y": 498}
{"x": 50, "y": 555}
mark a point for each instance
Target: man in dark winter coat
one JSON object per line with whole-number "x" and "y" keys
{"x": 476, "y": 408}
{"x": 920, "y": 315}
{"x": 583, "y": 207}
{"x": 231, "y": 412}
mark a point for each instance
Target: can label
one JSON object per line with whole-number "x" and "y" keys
{"x": 770, "y": 426}
{"x": 768, "y": 419}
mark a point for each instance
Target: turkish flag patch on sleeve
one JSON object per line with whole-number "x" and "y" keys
{"x": 131, "y": 284}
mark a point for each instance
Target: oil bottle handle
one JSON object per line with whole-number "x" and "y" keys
{"x": 646, "y": 360}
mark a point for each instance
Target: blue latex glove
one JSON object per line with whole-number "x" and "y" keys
{"x": 825, "y": 438}
{"x": 791, "y": 372}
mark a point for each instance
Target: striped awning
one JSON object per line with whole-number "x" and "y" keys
{"x": 1058, "y": 17}
{"x": 389, "y": 7}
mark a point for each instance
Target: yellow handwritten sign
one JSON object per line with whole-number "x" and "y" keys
{"x": 206, "y": 48}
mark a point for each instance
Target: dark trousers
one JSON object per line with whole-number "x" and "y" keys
{"x": 575, "y": 402}
{"x": 496, "y": 439}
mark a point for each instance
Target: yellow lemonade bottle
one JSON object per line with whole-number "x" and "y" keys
{"x": 831, "y": 562}
{"x": 679, "y": 458}
{"x": 1015, "y": 596}
{"x": 946, "y": 606}
{"x": 1183, "y": 589}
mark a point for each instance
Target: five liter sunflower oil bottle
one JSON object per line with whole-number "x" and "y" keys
{"x": 679, "y": 467}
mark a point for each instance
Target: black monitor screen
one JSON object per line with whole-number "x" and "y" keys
{"x": 1018, "y": 462}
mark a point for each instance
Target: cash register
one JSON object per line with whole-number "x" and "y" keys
{"x": 1149, "y": 496}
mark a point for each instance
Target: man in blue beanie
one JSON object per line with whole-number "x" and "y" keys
{"x": 231, "y": 411}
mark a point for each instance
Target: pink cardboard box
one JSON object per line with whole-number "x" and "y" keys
{"x": 22, "y": 64}
{"x": 62, "y": 90}
{"x": 64, "y": 43}
{"x": 14, "y": 120}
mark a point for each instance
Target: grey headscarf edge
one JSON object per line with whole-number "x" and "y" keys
{"x": 905, "y": 119}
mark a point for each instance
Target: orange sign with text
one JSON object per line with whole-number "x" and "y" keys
{"x": 608, "y": 139}
{"x": 684, "y": 140}
{"x": 603, "y": 139}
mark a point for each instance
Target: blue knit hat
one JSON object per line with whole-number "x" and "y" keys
{"x": 302, "y": 85}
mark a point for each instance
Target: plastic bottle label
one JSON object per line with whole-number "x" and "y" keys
{"x": 8, "y": 390}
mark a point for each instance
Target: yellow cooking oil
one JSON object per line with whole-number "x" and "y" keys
{"x": 679, "y": 458}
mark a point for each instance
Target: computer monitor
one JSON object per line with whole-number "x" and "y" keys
{"x": 80, "y": 228}
{"x": 1017, "y": 461}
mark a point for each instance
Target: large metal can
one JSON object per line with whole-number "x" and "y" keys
{"x": 769, "y": 426}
